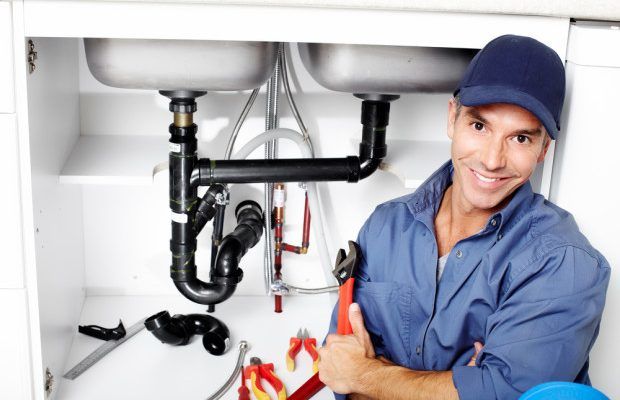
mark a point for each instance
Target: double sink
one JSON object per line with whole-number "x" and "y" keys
{"x": 236, "y": 65}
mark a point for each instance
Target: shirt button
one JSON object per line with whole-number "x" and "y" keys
{"x": 418, "y": 350}
{"x": 459, "y": 254}
{"x": 500, "y": 236}
{"x": 493, "y": 222}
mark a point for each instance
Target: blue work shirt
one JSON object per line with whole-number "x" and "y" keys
{"x": 529, "y": 286}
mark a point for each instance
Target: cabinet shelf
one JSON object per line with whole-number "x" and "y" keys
{"x": 134, "y": 160}
{"x": 143, "y": 367}
{"x": 115, "y": 160}
{"x": 413, "y": 161}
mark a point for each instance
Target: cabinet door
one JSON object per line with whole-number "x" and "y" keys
{"x": 11, "y": 272}
{"x": 6, "y": 59}
{"x": 14, "y": 365}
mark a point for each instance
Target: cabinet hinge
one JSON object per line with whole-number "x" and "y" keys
{"x": 32, "y": 57}
{"x": 49, "y": 382}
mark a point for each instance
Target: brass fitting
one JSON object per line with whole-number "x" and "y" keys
{"x": 183, "y": 119}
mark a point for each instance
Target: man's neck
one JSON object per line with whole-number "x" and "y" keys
{"x": 456, "y": 221}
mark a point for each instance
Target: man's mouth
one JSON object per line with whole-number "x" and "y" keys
{"x": 489, "y": 181}
{"x": 485, "y": 178}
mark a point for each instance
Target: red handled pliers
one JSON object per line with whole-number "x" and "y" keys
{"x": 257, "y": 371}
{"x": 295, "y": 346}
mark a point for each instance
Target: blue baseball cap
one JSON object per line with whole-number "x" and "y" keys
{"x": 517, "y": 70}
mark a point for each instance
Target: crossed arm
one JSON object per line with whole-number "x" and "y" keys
{"x": 348, "y": 365}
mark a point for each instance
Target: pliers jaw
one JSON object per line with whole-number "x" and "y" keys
{"x": 257, "y": 370}
{"x": 346, "y": 264}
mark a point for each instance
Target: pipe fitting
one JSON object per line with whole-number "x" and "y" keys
{"x": 179, "y": 329}
{"x": 226, "y": 274}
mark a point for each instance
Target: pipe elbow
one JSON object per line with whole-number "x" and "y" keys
{"x": 178, "y": 330}
{"x": 368, "y": 167}
{"x": 205, "y": 292}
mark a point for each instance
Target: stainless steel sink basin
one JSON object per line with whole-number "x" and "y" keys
{"x": 180, "y": 64}
{"x": 370, "y": 69}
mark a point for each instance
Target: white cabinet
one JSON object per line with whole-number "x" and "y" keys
{"x": 14, "y": 364}
{"x": 585, "y": 177}
{"x": 6, "y": 59}
{"x": 96, "y": 226}
{"x": 10, "y": 206}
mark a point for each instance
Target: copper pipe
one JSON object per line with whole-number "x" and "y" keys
{"x": 278, "y": 212}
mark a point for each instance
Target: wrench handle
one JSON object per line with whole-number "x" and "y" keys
{"x": 345, "y": 300}
{"x": 308, "y": 389}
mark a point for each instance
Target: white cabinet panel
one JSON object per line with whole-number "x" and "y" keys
{"x": 11, "y": 272}
{"x": 6, "y": 60}
{"x": 585, "y": 172}
{"x": 14, "y": 365}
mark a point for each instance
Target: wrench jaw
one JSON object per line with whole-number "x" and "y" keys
{"x": 346, "y": 264}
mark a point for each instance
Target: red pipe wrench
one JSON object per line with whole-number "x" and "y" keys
{"x": 343, "y": 271}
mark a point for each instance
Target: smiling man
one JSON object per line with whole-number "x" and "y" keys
{"x": 474, "y": 287}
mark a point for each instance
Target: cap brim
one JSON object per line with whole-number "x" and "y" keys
{"x": 482, "y": 95}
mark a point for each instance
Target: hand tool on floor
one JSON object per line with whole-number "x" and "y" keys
{"x": 243, "y": 349}
{"x": 102, "y": 350}
{"x": 257, "y": 371}
{"x": 244, "y": 393}
{"x": 343, "y": 271}
{"x": 303, "y": 337}
{"x": 102, "y": 333}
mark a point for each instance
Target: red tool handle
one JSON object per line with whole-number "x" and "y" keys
{"x": 346, "y": 298}
{"x": 244, "y": 392}
{"x": 308, "y": 389}
{"x": 314, "y": 384}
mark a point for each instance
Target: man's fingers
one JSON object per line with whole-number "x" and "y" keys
{"x": 477, "y": 349}
{"x": 357, "y": 321}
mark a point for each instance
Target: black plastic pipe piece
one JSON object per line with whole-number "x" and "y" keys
{"x": 278, "y": 170}
{"x": 178, "y": 330}
{"x": 207, "y": 207}
{"x": 374, "y": 118}
{"x": 189, "y": 215}
{"x": 227, "y": 273}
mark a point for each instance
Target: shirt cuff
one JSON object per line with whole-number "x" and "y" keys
{"x": 470, "y": 383}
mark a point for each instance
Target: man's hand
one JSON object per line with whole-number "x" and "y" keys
{"x": 477, "y": 348}
{"x": 345, "y": 358}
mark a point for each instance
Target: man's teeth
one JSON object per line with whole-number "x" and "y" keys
{"x": 485, "y": 179}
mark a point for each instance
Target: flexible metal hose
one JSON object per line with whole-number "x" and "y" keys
{"x": 291, "y": 100}
{"x": 239, "y": 124}
{"x": 271, "y": 149}
{"x": 295, "y": 289}
{"x": 243, "y": 348}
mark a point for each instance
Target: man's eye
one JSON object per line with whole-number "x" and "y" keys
{"x": 522, "y": 139}
{"x": 479, "y": 126}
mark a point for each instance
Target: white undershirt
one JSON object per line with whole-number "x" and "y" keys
{"x": 441, "y": 264}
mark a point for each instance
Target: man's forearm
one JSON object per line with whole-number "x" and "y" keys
{"x": 397, "y": 383}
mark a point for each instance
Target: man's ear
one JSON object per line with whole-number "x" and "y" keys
{"x": 451, "y": 117}
{"x": 543, "y": 153}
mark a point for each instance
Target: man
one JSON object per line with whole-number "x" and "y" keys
{"x": 474, "y": 287}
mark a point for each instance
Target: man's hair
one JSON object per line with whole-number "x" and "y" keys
{"x": 458, "y": 105}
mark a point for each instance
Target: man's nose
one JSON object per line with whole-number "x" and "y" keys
{"x": 493, "y": 155}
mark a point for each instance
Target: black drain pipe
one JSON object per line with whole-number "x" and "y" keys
{"x": 227, "y": 273}
{"x": 187, "y": 173}
{"x": 375, "y": 118}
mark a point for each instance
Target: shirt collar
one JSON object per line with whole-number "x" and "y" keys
{"x": 430, "y": 193}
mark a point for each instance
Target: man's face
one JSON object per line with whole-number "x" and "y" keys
{"x": 495, "y": 149}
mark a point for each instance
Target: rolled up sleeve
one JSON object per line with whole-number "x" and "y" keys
{"x": 543, "y": 329}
